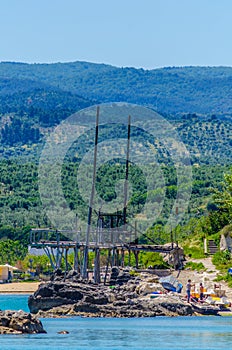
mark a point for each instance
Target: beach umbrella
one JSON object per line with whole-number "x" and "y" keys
{"x": 11, "y": 267}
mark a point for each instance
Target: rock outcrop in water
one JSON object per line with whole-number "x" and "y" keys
{"x": 18, "y": 322}
{"x": 128, "y": 296}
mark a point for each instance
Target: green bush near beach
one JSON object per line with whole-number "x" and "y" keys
{"x": 194, "y": 252}
{"x": 222, "y": 260}
{"x": 195, "y": 266}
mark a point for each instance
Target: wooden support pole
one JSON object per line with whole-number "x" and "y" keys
{"x": 114, "y": 257}
{"x": 57, "y": 250}
{"x": 66, "y": 260}
{"x": 48, "y": 253}
{"x": 136, "y": 233}
{"x": 81, "y": 258}
{"x": 127, "y": 171}
{"x": 53, "y": 255}
{"x": 117, "y": 257}
{"x": 76, "y": 259}
{"x": 136, "y": 253}
{"x": 85, "y": 262}
{"x": 112, "y": 238}
{"x": 123, "y": 257}
{"x": 97, "y": 278}
{"x": 107, "y": 266}
{"x": 59, "y": 256}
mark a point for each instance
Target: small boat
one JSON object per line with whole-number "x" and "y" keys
{"x": 171, "y": 284}
{"x": 155, "y": 294}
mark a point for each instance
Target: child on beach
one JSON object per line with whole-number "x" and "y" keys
{"x": 188, "y": 290}
{"x": 201, "y": 292}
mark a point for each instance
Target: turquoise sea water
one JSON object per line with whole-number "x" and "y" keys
{"x": 99, "y": 334}
{"x": 14, "y": 302}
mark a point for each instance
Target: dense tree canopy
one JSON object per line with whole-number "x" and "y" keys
{"x": 223, "y": 196}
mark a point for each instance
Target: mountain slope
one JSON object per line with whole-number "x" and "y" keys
{"x": 205, "y": 90}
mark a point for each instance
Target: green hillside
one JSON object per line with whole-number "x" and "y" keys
{"x": 34, "y": 98}
{"x": 204, "y": 90}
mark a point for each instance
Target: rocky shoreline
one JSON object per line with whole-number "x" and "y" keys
{"x": 19, "y": 322}
{"x": 128, "y": 296}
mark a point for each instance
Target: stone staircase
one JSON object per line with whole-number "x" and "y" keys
{"x": 212, "y": 247}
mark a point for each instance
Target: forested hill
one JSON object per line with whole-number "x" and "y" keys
{"x": 36, "y": 97}
{"x": 202, "y": 90}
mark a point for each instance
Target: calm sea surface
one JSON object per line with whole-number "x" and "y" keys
{"x": 99, "y": 334}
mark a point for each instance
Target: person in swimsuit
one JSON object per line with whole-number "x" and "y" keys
{"x": 201, "y": 292}
{"x": 188, "y": 290}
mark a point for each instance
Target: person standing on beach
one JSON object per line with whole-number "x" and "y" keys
{"x": 188, "y": 290}
{"x": 201, "y": 292}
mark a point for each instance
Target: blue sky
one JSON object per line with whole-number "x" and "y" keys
{"x": 134, "y": 33}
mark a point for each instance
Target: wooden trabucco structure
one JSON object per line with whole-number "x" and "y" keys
{"x": 112, "y": 233}
{"x": 57, "y": 249}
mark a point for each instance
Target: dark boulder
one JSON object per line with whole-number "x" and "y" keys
{"x": 85, "y": 307}
{"x": 44, "y": 291}
{"x": 19, "y": 322}
{"x": 36, "y": 304}
{"x": 70, "y": 293}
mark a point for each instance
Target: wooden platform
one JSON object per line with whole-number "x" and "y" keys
{"x": 93, "y": 245}
{"x": 57, "y": 248}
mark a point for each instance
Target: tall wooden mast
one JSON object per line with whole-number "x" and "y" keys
{"x": 90, "y": 209}
{"x": 127, "y": 170}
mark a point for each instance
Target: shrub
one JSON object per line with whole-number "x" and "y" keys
{"x": 194, "y": 252}
{"x": 226, "y": 277}
{"x": 195, "y": 266}
{"x": 222, "y": 260}
{"x": 155, "y": 260}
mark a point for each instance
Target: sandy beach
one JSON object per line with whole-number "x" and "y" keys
{"x": 19, "y": 287}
